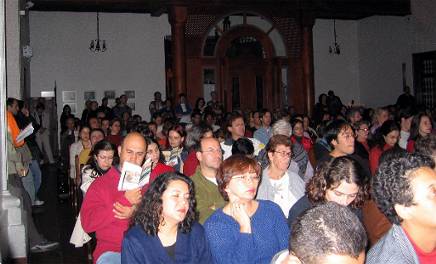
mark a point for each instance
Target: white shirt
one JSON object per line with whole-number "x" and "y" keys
{"x": 282, "y": 196}
{"x": 404, "y": 136}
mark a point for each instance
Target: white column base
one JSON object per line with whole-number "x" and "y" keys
{"x": 13, "y": 242}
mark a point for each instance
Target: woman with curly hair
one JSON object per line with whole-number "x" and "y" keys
{"x": 340, "y": 180}
{"x": 245, "y": 230}
{"x": 164, "y": 227}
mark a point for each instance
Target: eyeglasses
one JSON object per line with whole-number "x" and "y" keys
{"x": 246, "y": 176}
{"x": 284, "y": 154}
{"x": 212, "y": 150}
{"x": 364, "y": 129}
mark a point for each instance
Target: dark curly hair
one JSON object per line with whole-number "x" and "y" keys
{"x": 234, "y": 165}
{"x": 149, "y": 212}
{"x": 391, "y": 184}
{"x": 387, "y": 127}
{"x": 330, "y": 174}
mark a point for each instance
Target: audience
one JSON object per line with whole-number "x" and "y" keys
{"x": 244, "y": 217}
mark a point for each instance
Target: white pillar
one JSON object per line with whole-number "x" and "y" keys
{"x": 13, "y": 47}
{"x": 12, "y": 230}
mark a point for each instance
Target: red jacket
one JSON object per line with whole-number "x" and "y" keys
{"x": 306, "y": 142}
{"x": 97, "y": 215}
{"x": 374, "y": 157}
{"x": 157, "y": 171}
{"x": 190, "y": 164}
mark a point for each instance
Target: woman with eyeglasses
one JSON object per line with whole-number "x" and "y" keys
{"x": 164, "y": 228}
{"x": 361, "y": 144}
{"x": 245, "y": 230}
{"x": 340, "y": 180}
{"x": 280, "y": 184}
{"x": 102, "y": 157}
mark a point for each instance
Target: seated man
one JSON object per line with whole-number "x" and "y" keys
{"x": 236, "y": 130}
{"x": 404, "y": 189}
{"x": 329, "y": 234}
{"x": 206, "y": 188}
{"x": 105, "y": 210}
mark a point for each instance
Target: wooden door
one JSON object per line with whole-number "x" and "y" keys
{"x": 245, "y": 83}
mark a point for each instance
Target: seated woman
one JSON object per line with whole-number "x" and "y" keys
{"x": 114, "y": 135}
{"x": 178, "y": 154}
{"x": 84, "y": 142}
{"x": 102, "y": 157}
{"x": 386, "y": 138}
{"x": 154, "y": 153}
{"x": 164, "y": 227}
{"x": 280, "y": 184}
{"x": 298, "y": 135}
{"x": 245, "y": 230}
{"x": 421, "y": 127}
{"x": 341, "y": 180}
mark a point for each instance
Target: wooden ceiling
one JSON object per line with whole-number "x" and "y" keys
{"x": 339, "y": 9}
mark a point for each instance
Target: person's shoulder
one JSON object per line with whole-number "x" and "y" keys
{"x": 218, "y": 217}
{"x": 197, "y": 229}
{"x": 268, "y": 206}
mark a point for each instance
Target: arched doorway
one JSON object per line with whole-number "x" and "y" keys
{"x": 244, "y": 57}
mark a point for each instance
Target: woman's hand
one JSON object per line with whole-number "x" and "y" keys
{"x": 239, "y": 213}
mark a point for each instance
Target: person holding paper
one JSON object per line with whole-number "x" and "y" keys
{"x": 107, "y": 211}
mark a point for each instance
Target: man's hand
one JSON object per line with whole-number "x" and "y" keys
{"x": 123, "y": 212}
{"x": 133, "y": 196}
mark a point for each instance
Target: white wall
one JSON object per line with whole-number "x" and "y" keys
{"x": 339, "y": 73}
{"x": 384, "y": 44}
{"x": 13, "y": 68}
{"x": 134, "y": 60}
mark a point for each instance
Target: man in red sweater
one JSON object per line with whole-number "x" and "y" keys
{"x": 105, "y": 210}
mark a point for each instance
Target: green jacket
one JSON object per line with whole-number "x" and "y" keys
{"x": 208, "y": 197}
{"x": 15, "y": 164}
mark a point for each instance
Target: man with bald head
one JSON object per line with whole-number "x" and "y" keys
{"x": 105, "y": 210}
{"x": 206, "y": 188}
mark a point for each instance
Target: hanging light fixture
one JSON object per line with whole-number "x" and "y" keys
{"x": 98, "y": 45}
{"x": 335, "y": 48}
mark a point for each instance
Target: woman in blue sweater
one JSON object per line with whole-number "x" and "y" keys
{"x": 245, "y": 230}
{"x": 164, "y": 225}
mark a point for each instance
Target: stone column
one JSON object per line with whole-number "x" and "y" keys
{"x": 12, "y": 230}
{"x": 307, "y": 59}
{"x": 177, "y": 18}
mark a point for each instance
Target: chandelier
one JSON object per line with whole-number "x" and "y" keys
{"x": 98, "y": 45}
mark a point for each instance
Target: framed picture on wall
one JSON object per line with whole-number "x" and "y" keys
{"x": 69, "y": 96}
{"x": 130, "y": 94}
{"x": 72, "y": 106}
{"x": 109, "y": 94}
{"x": 131, "y": 105}
{"x": 89, "y": 95}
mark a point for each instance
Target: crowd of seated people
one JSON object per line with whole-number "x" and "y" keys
{"x": 255, "y": 187}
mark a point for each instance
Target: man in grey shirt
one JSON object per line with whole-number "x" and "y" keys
{"x": 404, "y": 189}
